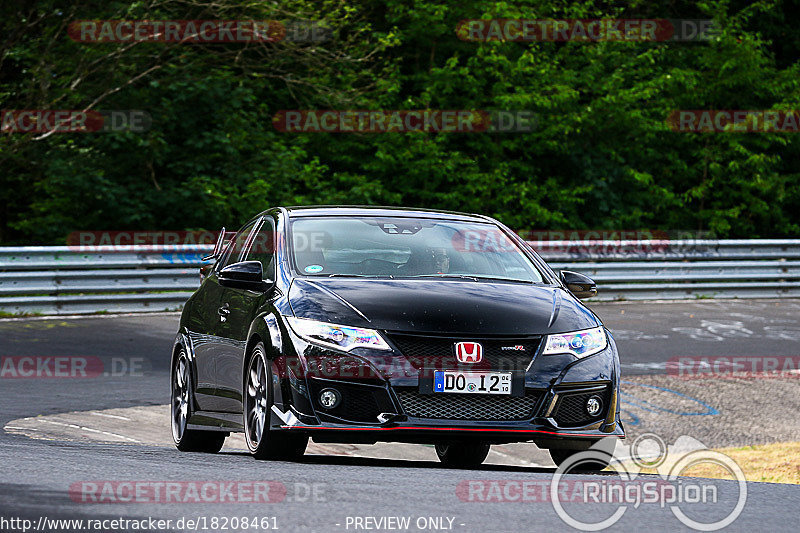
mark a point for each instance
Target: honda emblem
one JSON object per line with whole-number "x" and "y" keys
{"x": 469, "y": 352}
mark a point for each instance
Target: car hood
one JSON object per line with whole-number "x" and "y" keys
{"x": 439, "y": 306}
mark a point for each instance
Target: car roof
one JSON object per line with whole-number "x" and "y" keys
{"x": 380, "y": 211}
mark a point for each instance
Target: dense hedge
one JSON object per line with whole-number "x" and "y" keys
{"x": 601, "y": 156}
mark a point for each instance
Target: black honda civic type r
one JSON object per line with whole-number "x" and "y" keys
{"x": 359, "y": 325}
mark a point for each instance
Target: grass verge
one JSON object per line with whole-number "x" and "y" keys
{"x": 771, "y": 463}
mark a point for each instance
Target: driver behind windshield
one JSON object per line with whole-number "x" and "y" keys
{"x": 441, "y": 261}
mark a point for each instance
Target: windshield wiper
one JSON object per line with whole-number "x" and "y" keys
{"x": 472, "y": 277}
{"x": 446, "y": 276}
{"x": 342, "y": 275}
{"x": 437, "y": 276}
{"x": 514, "y": 280}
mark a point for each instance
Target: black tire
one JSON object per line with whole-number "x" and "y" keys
{"x": 462, "y": 454}
{"x": 188, "y": 440}
{"x": 258, "y": 400}
{"x": 594, "y": 462}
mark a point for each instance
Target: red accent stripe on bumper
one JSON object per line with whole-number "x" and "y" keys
{"x": 499, "y": 430}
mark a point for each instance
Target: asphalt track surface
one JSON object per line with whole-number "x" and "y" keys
{"x": 326, "y": 493}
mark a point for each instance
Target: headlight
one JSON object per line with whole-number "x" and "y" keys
{"x": 578, "y": 343}
{"x": 335, "y": 336}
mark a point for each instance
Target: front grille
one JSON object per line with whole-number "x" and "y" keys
{"x": 427, "y": 352}
{"x": 468, "y": 406}
{"x": 571, "y": 408}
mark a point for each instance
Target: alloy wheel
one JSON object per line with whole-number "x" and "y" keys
{"x": 257, "y": 399}
{"x": 180, "y": 397}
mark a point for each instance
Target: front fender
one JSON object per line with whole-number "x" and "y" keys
{"x": 268, "y": 328}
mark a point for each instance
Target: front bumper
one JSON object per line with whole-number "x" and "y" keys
{"x": 384, "y": 399}
{"x": 431, "y": 434}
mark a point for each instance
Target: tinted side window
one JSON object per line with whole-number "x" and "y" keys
{"x": 262, "y": 248}
{"x": 236, "y": 246}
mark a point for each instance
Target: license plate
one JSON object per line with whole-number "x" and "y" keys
{"x": 472, "y": 382}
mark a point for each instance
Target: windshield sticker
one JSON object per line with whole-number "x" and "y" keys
{"x": 313, "y": 269}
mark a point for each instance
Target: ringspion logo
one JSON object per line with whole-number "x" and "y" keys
{"x": 670, "y": 488}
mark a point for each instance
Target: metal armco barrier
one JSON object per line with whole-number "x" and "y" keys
{"x": 670, "y": 270}
{"x": 63, "y": 280}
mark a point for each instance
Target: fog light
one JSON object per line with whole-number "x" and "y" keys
{"x": 594, "y": 405}
{"x": 329, "y": 398}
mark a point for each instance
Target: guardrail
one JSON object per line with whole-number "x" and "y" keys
{"x": 64, "y": 280}
{"x": 55, "y": 280}
{"x": 668, "y": 270}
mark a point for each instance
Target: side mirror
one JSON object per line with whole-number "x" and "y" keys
{"x": 579, "y": 285}
{"x": 245, "y": 275}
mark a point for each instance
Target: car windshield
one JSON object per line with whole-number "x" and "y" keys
{"x": 401, "y": 247}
